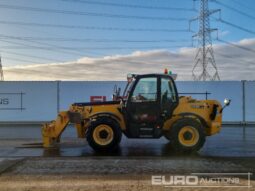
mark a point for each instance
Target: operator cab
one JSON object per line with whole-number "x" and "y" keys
{"x": 148, "y": 101}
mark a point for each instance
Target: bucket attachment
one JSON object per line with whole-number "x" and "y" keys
{"x": 51, "y": 132}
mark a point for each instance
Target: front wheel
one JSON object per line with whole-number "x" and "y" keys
{"x": 187, "y": 135}
{"x": 104, "y": 134}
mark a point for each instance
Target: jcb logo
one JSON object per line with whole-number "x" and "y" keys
{"x": 4, "y": 101}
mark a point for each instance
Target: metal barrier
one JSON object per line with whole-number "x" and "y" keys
{"x": 40, "y": 101}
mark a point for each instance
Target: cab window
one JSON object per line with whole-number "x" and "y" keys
{"x": 145, "y": 90}
{"x": 167, "y": 91}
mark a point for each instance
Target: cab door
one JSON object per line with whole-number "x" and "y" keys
{"x": 143, "y": 108}
{"x": 168, "y": 97}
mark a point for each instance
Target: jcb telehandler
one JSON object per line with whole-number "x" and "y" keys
{"x": 149, "y": 108}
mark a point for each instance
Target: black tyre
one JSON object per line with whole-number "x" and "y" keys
{"x": 187, "y": 135}
{"x": 104, "y": 134}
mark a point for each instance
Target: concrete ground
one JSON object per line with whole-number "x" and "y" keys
{"x": 25, "y": 165}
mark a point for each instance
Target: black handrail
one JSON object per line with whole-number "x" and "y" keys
{"x": 197, "y": 93}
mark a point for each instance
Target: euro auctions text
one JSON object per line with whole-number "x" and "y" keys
{"x": 203, "y": 180}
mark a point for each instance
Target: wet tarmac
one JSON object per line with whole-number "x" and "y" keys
{"x": 25, "y": 141}
{"x": 73, "y": 165}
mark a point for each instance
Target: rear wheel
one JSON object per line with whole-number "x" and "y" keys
{"x": 104, "y": 134}
{"x": 187, "y": 135}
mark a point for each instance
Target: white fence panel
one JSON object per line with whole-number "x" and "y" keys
{"x": 219, "y": 90}
{"x": 40, "y": 101}
{"x": 28, "y": 101}
{"x": 250, "y": 101}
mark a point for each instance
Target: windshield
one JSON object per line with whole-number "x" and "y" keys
{"x": 145, "y": 90}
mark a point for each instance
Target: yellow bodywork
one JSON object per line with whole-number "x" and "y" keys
{"x": 51, "y": 132}
{"x": 188, "y": 107}
{"x": 197, "y": 109}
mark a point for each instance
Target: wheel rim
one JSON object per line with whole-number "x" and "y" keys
{"x": 103, "y": 134}
{"x": 188, "y": 136}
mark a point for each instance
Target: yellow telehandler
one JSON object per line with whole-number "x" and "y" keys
{"x": 149, "y": 108}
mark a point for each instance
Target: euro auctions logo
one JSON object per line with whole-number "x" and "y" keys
{"x": 216, "y": 180}
{"x": 175, "y": 180}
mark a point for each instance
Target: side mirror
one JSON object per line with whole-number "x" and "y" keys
{"x": 227, "y": 102}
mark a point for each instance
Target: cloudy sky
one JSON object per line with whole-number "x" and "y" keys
{"x": 105, "y": 40}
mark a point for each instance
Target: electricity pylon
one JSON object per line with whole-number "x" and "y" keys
{"x": 205, "y": 66}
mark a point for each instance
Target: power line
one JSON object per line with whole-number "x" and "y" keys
{"x": 236, "y": 26}
{"x": 75, "y": 50}
{"x": 21, "y": 60}
{"x": 89, "y": 48}
{"x": 55, "y": 47}
{"x": 127, "y": 61}
{"x": 34, "y": 47}
{"x": 234, "y": 9}
{"x": 90, "y": 40}
{"x": 31, "y": 56}
{"x": 130, "y": 5}
{"x": 69, "y": 12}
{"x": 243, "y": 5}
{"x": 91, "y": 27}
{"x": 236, "y": 45}
{"x": 231, "y": 57}
{"x": 48, "y": 48}
{"x": 63, "y": 49}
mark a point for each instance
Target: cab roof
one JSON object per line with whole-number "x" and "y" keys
{"x": 173, "y": 76}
